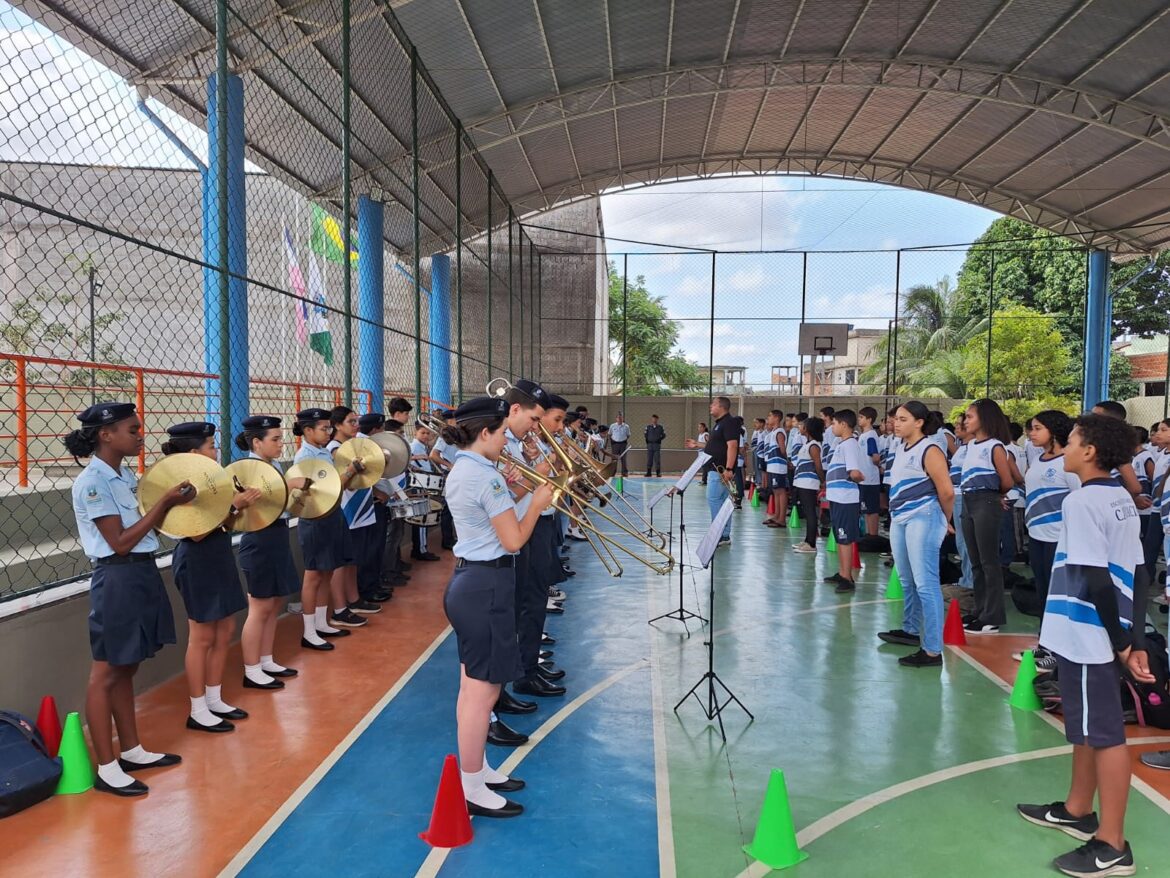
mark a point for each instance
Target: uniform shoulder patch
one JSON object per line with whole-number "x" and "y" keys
{"x": 91, "y": 495}
{"x": 497, "y": 486}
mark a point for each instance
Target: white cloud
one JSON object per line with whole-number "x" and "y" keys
{"x": 747, "y": 279}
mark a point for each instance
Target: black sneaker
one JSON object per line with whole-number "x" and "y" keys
{"x": 845, "y": 585}
{"x": 900, "y": 637}
{"x": 364, "y": 608}
{"x": 969, "y": 618}
{"x": 348, "y": 619}
{"x": 1096, "y": 859}
{"x": 1056, "y": 816}
{"x": 977, "y": 627}
{"x": 835, "y": 578}
{"x": 921, "y": 659}
{"x": 1045, "y": 664}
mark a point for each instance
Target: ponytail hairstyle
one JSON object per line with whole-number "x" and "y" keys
{"x": 463, "y": 434}
{"x": 338, "y": 414}
{"x": 931, "y": 420}
{"x": 245, "y": 438}
{"x": 82, "y": 442}
{"x": 992, "y": 420}
{"x": 183, "y": 444}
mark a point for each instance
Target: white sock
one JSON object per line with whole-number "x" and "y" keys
{"x": 494, "y": 717}
{"x": 490, "y": 775}
{"x": 475, "y": 790}
{"x": 215, "y": 700}
{"x": 339, "y": 610}
{"x": 201, "y": 713}
{"x": 321, "y": 619}
{"x": 141, "y": 756}
{"x": 269, "y": 665}
{"x": 113, "y": 774}
{"x": 256, "y": 674}
{"x": 311, "y": 634}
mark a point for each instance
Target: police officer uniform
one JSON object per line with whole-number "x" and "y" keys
{"x": 325, "y": 542}
{"x": 479, "y": 600}
{"x": 265, "y": 555}
{"x": 205, "y": 570}
{"x": 130, "y": 616}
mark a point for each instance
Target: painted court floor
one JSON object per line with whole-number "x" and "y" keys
{"x": 891, "y": 771}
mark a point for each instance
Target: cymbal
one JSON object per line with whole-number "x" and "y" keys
{"x": 253, "y": 473}
{"x": 213, "y": 494}
{"x": 396, "y": 450}
{"x": 323, "y": 494}
{"x": 369, "y": 453}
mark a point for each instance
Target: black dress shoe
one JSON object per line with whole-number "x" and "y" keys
{"x": 382, "y": 596}
{"x": 323, "y": 647}
{"x": 340, "y": 632}
{"x": 403, "y": 566}
{"x": 555, "y": 609}
{"x": 287, "y": 672}
{"x": 222, "y": 726}
{"x": 448, "y": 545}
{"x": 537, "y": 686}
{"x": 545, "y": 640}
{"x": 502, "y": 736}
{"x": 234, "y": 713}
{"x": 138, "y": 788}
{"x": 565, "y": 570}
{"x": 511, "y": 785}
{"x": 546, "y": 654}
{"x": 167, "y": 759}
{"x": 509, "y": 809}
{"x": 249, "y": 683}
{"x": 507, "y": 704}
{"x": 550, "y": 671}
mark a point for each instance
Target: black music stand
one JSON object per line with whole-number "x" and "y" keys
{"x": 681, "y": 613}
{"x": 712, "y": 702}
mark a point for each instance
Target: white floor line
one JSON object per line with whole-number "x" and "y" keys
{"x": 434, "y": 861}
{"x": 245, "y": 854}
{"x": 667, "y": 868}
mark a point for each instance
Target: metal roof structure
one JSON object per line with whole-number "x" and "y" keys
{"x": 1053, "y": 111}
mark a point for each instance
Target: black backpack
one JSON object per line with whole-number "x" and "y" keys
{"x": 1025, "y": 596}
{"x": 28, "y": 774}
{"x": 1151, "y": 701}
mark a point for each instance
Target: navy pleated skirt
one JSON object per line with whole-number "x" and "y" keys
{"x": 206, "y": 575}
{"x": 267, "y": 561}
{"x": 130, "y": 616}
{"x": 480, "y": 605}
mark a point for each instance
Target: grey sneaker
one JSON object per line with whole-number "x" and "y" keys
{"x": 1056, "y": 816}
{"x": 1157, "y": 759}
{"x": 1096, "y": 859}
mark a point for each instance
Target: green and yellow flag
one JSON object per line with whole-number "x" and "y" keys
{"x": 326, "y": 238}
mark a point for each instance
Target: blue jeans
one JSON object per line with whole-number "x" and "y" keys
{"x": 915, "y": 544}
{"x": 716, "y": 493}
{"x": 966, "y": 580}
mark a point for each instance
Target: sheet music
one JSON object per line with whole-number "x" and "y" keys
{"x": 711, "y": 538}
{"x": 654, "y": 500}
{"x": 685, "y": 479}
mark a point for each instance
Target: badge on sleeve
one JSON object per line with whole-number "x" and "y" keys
{"x": 497, "y": 487}
{"x": 91, "y": 495}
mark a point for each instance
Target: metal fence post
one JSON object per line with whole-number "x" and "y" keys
{"x": 511, "y": 334}
{"x": 346, "y": 186}
{"x": 22, "y": 420}
{"x": 540, "y": 316}
{"x": 221, "y": 209}
{"x": 459, "y": 256}
{"x": 990, "y": 320}
{"x": 140, "y": 400}
{"x": 803, "y": 316}
{"x": 625, "y": 327}
{"x": 711, "y": 333}
{"x": 897, "y": 317}
{"x": 417, "y": 244}
{"x": 489, "y": 276}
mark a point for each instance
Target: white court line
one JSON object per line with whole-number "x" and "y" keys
{"x": 434, "y": 861}
{"x": 666, "y": 862}
{"x": 241, "y": 859}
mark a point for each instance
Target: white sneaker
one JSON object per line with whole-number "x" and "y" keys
{"x": 803, "y": 548}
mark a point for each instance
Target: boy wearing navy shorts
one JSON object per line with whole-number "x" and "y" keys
{"x": 1093, "y": 623}
{"x": 843, "y": 476}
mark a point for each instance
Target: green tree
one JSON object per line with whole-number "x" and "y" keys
{"x": 650, "y": 364}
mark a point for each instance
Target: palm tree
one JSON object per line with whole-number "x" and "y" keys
{"x": 928, "y": 355}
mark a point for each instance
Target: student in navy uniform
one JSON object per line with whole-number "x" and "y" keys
{"x": 807, "y": 480}
{"x": 1094, "y": 622}
{"x": 357, "y": 509}
{"x": 206, "y": 576}
{"x": 442, "y": 459}
{"x": 267, "y": 561}
{"x": 129, "y": 613}
{"x": 842, "y": 476}
{"x": 394, "y": 569}
{"x": 420, "y": 460}
{"x": 325, "y": 542}
{"x": 871, "y": 491}
{"x": 369, "y": 582}
{"x": 478, "y": 600}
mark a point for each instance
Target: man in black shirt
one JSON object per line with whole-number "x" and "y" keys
{"x": 723, "y": 446}
{"x": 655, "y": 433}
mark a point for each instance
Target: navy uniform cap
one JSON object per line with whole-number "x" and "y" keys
{"x": 261, "y": 422}
{"x": 106, "y": 413}
{"x": 191, "y": 429}
{"x": 556, "y": 402}
{"x": 308, "y": 415}
{"x": 482, "y": 407}
{"x": 446, "y": 414}
{"x": 371, "y": 421}
{"x": 533, "y": 390}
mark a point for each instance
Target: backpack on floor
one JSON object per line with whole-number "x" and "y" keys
{"x": 28, "y": 774}
{"x": 1026, "y": 597}
{"x": 1151, "y": 701}
{"x": 873, "y": 544}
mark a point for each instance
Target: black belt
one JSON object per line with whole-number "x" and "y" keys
{"x": 502, "y": 561}
{"x": 132, "y": 558}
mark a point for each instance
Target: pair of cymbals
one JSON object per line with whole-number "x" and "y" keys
{"x": 215, "y": 488}
{"x": 321, "y": 493}
{"x": 365, "y": 452}
{"x": 395, "y": 450}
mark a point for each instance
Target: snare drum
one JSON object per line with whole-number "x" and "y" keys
{"x": 411, "y": 507}
{"x": 426, "y": 483}
{"x": 430, "y": 518}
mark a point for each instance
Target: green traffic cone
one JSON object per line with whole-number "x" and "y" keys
{"x": 793, "y": 518}
{"x": 831, "y": 545}
{"x": 894, "y": 586}
{"x": 617, "y": 483}
{"x": 1024, "y": 695}
{"x": 756, "y": 499}
{"x": 77, "y": 776}
{"x": 774, "y": 843}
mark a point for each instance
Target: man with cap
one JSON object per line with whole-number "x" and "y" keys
{"x": 619, "y": 441}
{"x": 655, "y": 434}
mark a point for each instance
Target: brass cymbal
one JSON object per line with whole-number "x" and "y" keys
{"x": 323, "y": 494}
{"x": 253, "y": 473}
{"x": 213, "y": 494}
{"x": 371, "y": 456}
{"x": 396, "y": 450}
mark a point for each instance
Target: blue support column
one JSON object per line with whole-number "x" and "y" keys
{"x": 1098, "y": 330}
{"x": 440, "y": 322}
{"x": 371, "y": 341}
{"x": 232, "y": 351}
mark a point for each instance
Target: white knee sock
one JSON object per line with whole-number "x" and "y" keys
{"x": 267, "y": 663}
{"x": 256, "y": 674}
{"x": 311, "y": 634}
{"x": 475, "y": 790}
{"x": 113, "y": 774}
{"x": 321, "y": 619}
{"x": 201, "y": 713}
{"x": 490, "y": 775}
{"x": 215, "y": 700}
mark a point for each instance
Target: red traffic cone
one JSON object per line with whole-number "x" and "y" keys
{"x": 953, "y": 634}
{"x": 771, "y": 504}
{"x": 450, "y": 824}
{"x": 49, "y": 724}
{"x": 856, "y": 557}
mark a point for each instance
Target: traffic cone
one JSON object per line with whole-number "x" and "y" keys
{"x": 774, "y": 843}
{"x": 1024, "y": 695}
{"x": 894, "y": 586}
{"x": 617, "y": 483}
{"x": 793, "y": 518}
{"x": 77, "y": 773}
{"x": 49, "y": 724}
{"x": 755, "y": 499}
{"x": 953, "y": 633}
{"x": 856, "y": 557}
{"x": 450, "y": 824}
{"x": 771, "y": 505}
{"x": 831, "y": 545}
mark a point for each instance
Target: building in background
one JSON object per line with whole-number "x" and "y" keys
{"x": 841, "y": 375}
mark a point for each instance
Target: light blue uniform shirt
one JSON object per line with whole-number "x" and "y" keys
{"x": 99, "y": 492}
{"x": 312, "y": 452}
{"x": 516, "y": 449}
{"x": 476, "y": 493}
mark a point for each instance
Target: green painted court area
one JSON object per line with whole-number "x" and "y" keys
{"x": 844, "y": 722}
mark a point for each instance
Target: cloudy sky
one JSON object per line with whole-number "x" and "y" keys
{"x": 759, "y": 298}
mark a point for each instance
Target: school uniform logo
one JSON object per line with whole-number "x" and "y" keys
{"x": 497, "y": 488}
{"x": 91, "y": 495}
{"x": 1050, "y": 473}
